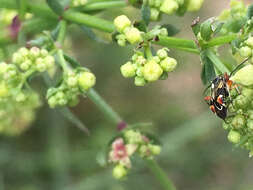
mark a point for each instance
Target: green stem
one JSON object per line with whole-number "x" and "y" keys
{"x": 62, "y": 61}
{"x": 88, "y": 20}
{"x": 160, "y": 174}
{"x": 104, "y": 107}
{"x": 62, "y": 32}
{"x": 104, "y": 5}
{"x": 148, "y": 52}
{"x": 217, "y": 62}
{"x": 178, "y": 43}
{"x": 220, "y": 40}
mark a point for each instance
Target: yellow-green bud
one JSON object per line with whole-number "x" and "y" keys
{"x": 26, "y": 65}
{"x": 154, "y": 14}
{"x": 20, "y": 97}
{"x": 133, "y": 35}
{"x": 152, "y": 71}
{"x": 225, "y": 14}
{"x": 34, "y": 52}
{"x": 164, "y": 32}
{"x": 128, "y": 70}
{"x": 194, "y": 5}
{"x": 3, "y": 90}
{"x": 43, "y": 52}
{"x": 155, "y": 149}
{"x": 238, "y": 121}
{"x": 23, "y": 51}
{"x": 249, "y": 42}
{"x": 158, "y": 3}
{"x": 250, "y": 124}
{"x": 121, "y": 22}
{"x": 139, "y": 81}
{"x": 72, "y": 81}
{"x": 169, "y": 6}
{"x": 234, "y": 136}
{"x": 225, "y": 126}
{"x": 244, "y": 76}
{"x": 119, "y": 171}
{"x": 49, "y": 61}
{"x": 168, "y": 64}
{"x": 121, "y": 42}
{"x": 133, "y": 137}
{"x": 162, "y": 53}
{"x": 17, "y": 58}
{"x": 143, "y": 150}
{"x": 245, "y": 51}
{"x": 86, "y": 80}
{"x": 52, "y": 102}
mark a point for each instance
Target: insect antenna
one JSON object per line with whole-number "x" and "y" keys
{"x": 239, "y": 66}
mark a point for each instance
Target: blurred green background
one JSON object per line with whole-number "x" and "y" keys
{"x": 54, "y": 155}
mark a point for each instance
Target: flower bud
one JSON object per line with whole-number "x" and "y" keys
{"x": 250, "y": 114}
{"x": 162, "y": 53}
{"x": 43, "y": 52}
{"x": 119, "y": 171}
{"x": 144, "y": 150}
{"x": 34, "y": 52}
{"x": 17, "y": 58}
{"x": 225, "y": 126}
{"x": 194, "y": 5}
{"x": 250, "y": 124}
{"x": 121, "y": 42}
{"x": 247, "y": 92}
{"x": 52, "y": 102}
{"x": 139, "y": 81}
{"x": 155, "y": 149}
{"x": 241, "y": 102}
{"x": 86, "y": 80}
{"x": 121, "y": 22}
{"x": 133, "y": 137}
{"x": 133, "y": 35}
{"x": 152, "y": 71}
{"x": 26, "y": 65}
{"x": 158, "y": 3}
{"x": 128, "y": 70}
{"x": 168, "y": 64}
{"x": 23, "y": 51}
{"x": 72, "y": 81}
{"x": 139, "y": 71}
{"x": 249, "y": 42}
{"x": 234, "y": 136}
{"x": 238, "y": 121}
{"x": 154, "y": 14}
{"x": 163, "y": 32}
{"x": 245, "y": 51}
{"x": 3, "y": 90}
{"x": 49, "y": 61}
{"x": 169, "y": 6}
{"x": 73, "y": 102}
{"x": 156, "y": 59}
{"x": 20, "y": 97}
{"x": 244, "y": 76}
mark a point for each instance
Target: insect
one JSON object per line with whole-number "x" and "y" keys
{"x": 219, "y": 98}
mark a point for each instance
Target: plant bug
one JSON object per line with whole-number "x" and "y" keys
{"x": 219, "y": 98}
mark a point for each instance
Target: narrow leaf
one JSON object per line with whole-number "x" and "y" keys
{"x": 145, "y": 13}
{"x": 58, "y": 6}
{"x": 250, "y": 11}
{"x": 208, "y": 72}
{"x": 206, "y": 29}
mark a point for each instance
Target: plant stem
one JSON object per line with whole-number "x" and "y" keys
{"x": 178, "y": 43}
{"x": 62, "y": 32}
{"x": 160, "y": 174}
{"x": 148, "y": 52}
{"x": 104, "y": 5}
{"x": 220, "y": 40}
{"x": 88, "y": 20}
{"x": 62, "y": 61}
{"x": 104, "y": 107}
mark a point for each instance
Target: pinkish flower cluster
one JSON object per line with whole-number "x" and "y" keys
{"x": 124, "y": 147}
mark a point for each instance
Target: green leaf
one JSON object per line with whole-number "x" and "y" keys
{"x": 206, "y": 29}
{"x": 171, "y": 29}
{"x": 58, "y": 6}
{"x": 250, "y": 12}
{"x": 217, "y": 26}
{"x": 195, "y": 26}
{"x": 145, "y": 13}
{"x": 208, "y": 72}
{"x": 72, "y": 61}
{"x": 141, "y": 25}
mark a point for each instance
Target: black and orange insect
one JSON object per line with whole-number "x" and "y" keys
{"x": 219, "y": 98}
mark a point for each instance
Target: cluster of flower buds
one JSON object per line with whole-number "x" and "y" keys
{"x": 149, "y": 70}
{"x": 76, "y": 3}
{"x": 17, "y": 113}
{"x": 240, "y": 123}
{"x": 127, "y": 32}
{"x": 123, "y": 147}
{"x": 73, "y": 84}
{"x": 233, "y": 18}
{"x": 33, "y": 60}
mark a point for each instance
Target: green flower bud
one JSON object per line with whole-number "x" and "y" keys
{"x": 52, "y": 102}
{"x": 128, "y": 70}
{"x": 225, "y": 14}
{"x": 163, "y": 32}
{"x": 72, "y": 81}
{"x": 133, "y": 35}
{"x": 154, "y": 14}
{"x": 73, "y": 102}
{"x": 40, "y": 65}
{"x": 234, "y": 136}
{"x": 62, "y": 102}
{"x": 155, "y": 149}
{"x": 139, "y": 71}
{"x": 158, "y": 3}
{"x": 151, "y": 3}
{"x": 169, "y": 6}
{"x": 3, "y": 90}
{"x": 119, "y": 171}
{"x": 249, "y": 42}
{"x": 225, "y": 126}
{"x": 17, "y": 58}
{"x": 250, "y": 114}
{"x": 152, "y": 71}
{"x": 144, "y": 150}
{"x": 156, "y": 59}
{"x": 168, "y": 64}
{"x": 23, "y": 51}
{"x": 121, "y": 42}
{"x": 162, "y": 53}
{"x": 43, "y": 52}
{"x": 86, "y": 80}
{"x": 121, "y": 22}
{"x": 49, "y": 61}
{"x": 59, "y": 95}
{"x": 250, "y": 124}
{"x": 194, "y": 5}
{"x": 242, "y": 102}
{"x": 26, "y": 65}
{"x": 139, "y": 81}
{"x": 245, "y": 51}
{"x": 140, "y": 60}
{"x": 34, "y": 52}
{"x": 21, "y": 97}
{"x": 247, "y": 92}
{"x": 238, "y": 122}
{"x": 133, "y": 137}
{"x": 244, "y": 76}
{"x": 3, "y": 67}
{"x": 134, "y": 57}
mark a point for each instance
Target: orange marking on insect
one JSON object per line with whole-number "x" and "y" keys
{"x": 207, "y": 98}
{"x": 212, "y": 108}
{"x": 229, "y": 83}
{"x": 219, "y": 100}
